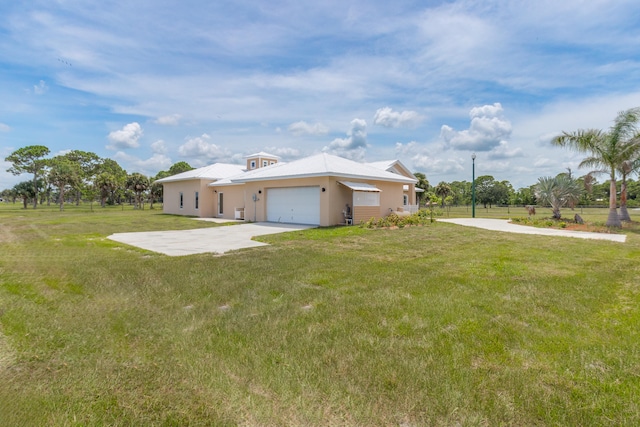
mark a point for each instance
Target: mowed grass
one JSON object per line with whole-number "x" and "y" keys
{"x": 433, "y": 325}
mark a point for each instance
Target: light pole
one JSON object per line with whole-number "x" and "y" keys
{"x": 473, "y": 185}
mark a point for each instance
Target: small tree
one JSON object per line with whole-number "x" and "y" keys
{"x": 442, "y": 190}
{"x": 179, "y": 168}
{"x": 25, "y": 190}
{"x": 558, "y": 192}
{"x": 137, "y": 183}
{"x": 88, "y": 164}
{"x": 29, "y": 160}
{"x": 64, "y": 173}
{"x": 110, "y": 178}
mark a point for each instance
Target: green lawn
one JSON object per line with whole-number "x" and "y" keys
{"x": 433, "y": 325}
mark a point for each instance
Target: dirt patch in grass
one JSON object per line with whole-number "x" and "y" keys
{"x": 6, "y": 236}
{"x": 7, "y": 355}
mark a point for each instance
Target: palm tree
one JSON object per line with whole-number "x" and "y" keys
{"x": 606, "y": 151}
{"x": 137, "y": 183}
{"x": 422, "y": 183}
{"x": 106, "y": 183}
{"x": 625, "y": 170}
{"x": 558, "y": 192}
{"x": 442, "y": 190}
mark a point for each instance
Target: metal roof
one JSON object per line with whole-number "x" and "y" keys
{"x": 321, "y": 165}
{"x": 359, "y": 186}
{"x": 212, "y": 172}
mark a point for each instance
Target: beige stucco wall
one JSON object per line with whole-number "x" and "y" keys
{"x": 233, "y": 197}
{"x": 332, "y": 200}
{"x": 171, "y": 198}
{"x": 259, "y": 161}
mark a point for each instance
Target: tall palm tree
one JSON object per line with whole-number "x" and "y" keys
{"x": 606, "y": 151}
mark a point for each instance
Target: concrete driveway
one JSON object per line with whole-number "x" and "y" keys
{"x": 505, "y": 225}
{"x": 202, "y": 240}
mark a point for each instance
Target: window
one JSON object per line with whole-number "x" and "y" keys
{"x": 181, "y": 200}
{"x": 272, "y": 162}
{"x": 366, "y": 198}
{"x": 220, "y": 204}
{"x": 197, "y": 200}
{"x": 405, "y": 199}
{"x": 265, "y": 163}
{"x": 253, "y": 164}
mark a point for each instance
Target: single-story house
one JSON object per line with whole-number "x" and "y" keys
{"x": 320, "y": 190}
{"x": 187, "y": 193}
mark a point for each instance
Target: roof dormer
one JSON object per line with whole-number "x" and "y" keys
{"x": 260, "y": 160}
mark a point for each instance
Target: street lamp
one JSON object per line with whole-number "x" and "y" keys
{"x": 473, "y": 185}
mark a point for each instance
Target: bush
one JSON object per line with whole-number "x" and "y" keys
{"x": 421, "y": 217}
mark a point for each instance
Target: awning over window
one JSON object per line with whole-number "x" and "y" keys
{"x": 359, "y": 186}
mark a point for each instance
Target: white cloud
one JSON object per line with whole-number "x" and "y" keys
{"x": 4, "y": 127}
{"x": 429, "y": 158}
{"x": 487, "y": 130}
{"x": 148, "y": 167}
{"x": 303, "y": 128}
{"x": 159, "y": 147}
{"x": 200, "y": 147}
{"x": 171, "y": 120}
{"x": 286, "y": 153}
{"x": 388, "y": 118}
{"x": 503, "y": 151}
{"x": 127, "y": 137}
{"x": 41, "y": 88}
{"x": 354, "y": 146}
{"x": 435, "y": 165}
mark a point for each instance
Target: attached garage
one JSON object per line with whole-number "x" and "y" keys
{"x": 294, "y": 205}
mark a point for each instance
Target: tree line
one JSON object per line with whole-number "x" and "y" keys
{"x": 614, "y": 153}
{"x": 492, "y": 192}
{"x": 80, "y": 175}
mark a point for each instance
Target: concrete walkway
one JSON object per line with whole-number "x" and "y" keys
{"x": 203, "y": 240}
{"x": 506, "y": 226}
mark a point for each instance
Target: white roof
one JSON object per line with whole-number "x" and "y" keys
{"x": 384, "y": 164}
{"x": 212, "y": 172}
{"x": 321, "y": 165}
{"x": 262, "y": 154}
{"x": 359, "y": 186}
{"x": 395, "y": 166}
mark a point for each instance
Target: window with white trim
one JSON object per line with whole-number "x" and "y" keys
{"x": 253, "y": 164}
{"x": 265, "y": 163}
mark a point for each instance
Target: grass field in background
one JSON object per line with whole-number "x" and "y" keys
{"x": 433, "y": 325}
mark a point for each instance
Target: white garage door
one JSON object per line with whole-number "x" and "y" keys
{"x": 294, "y": 205}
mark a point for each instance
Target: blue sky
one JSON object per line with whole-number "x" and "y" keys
{"x": 427, "y": 82}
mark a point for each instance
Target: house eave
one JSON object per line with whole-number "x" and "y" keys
{"x": 399, "y": 178}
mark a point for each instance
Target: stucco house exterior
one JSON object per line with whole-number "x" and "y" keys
{"x": 187, "y": 193}
{"x": 320, "y": 190}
